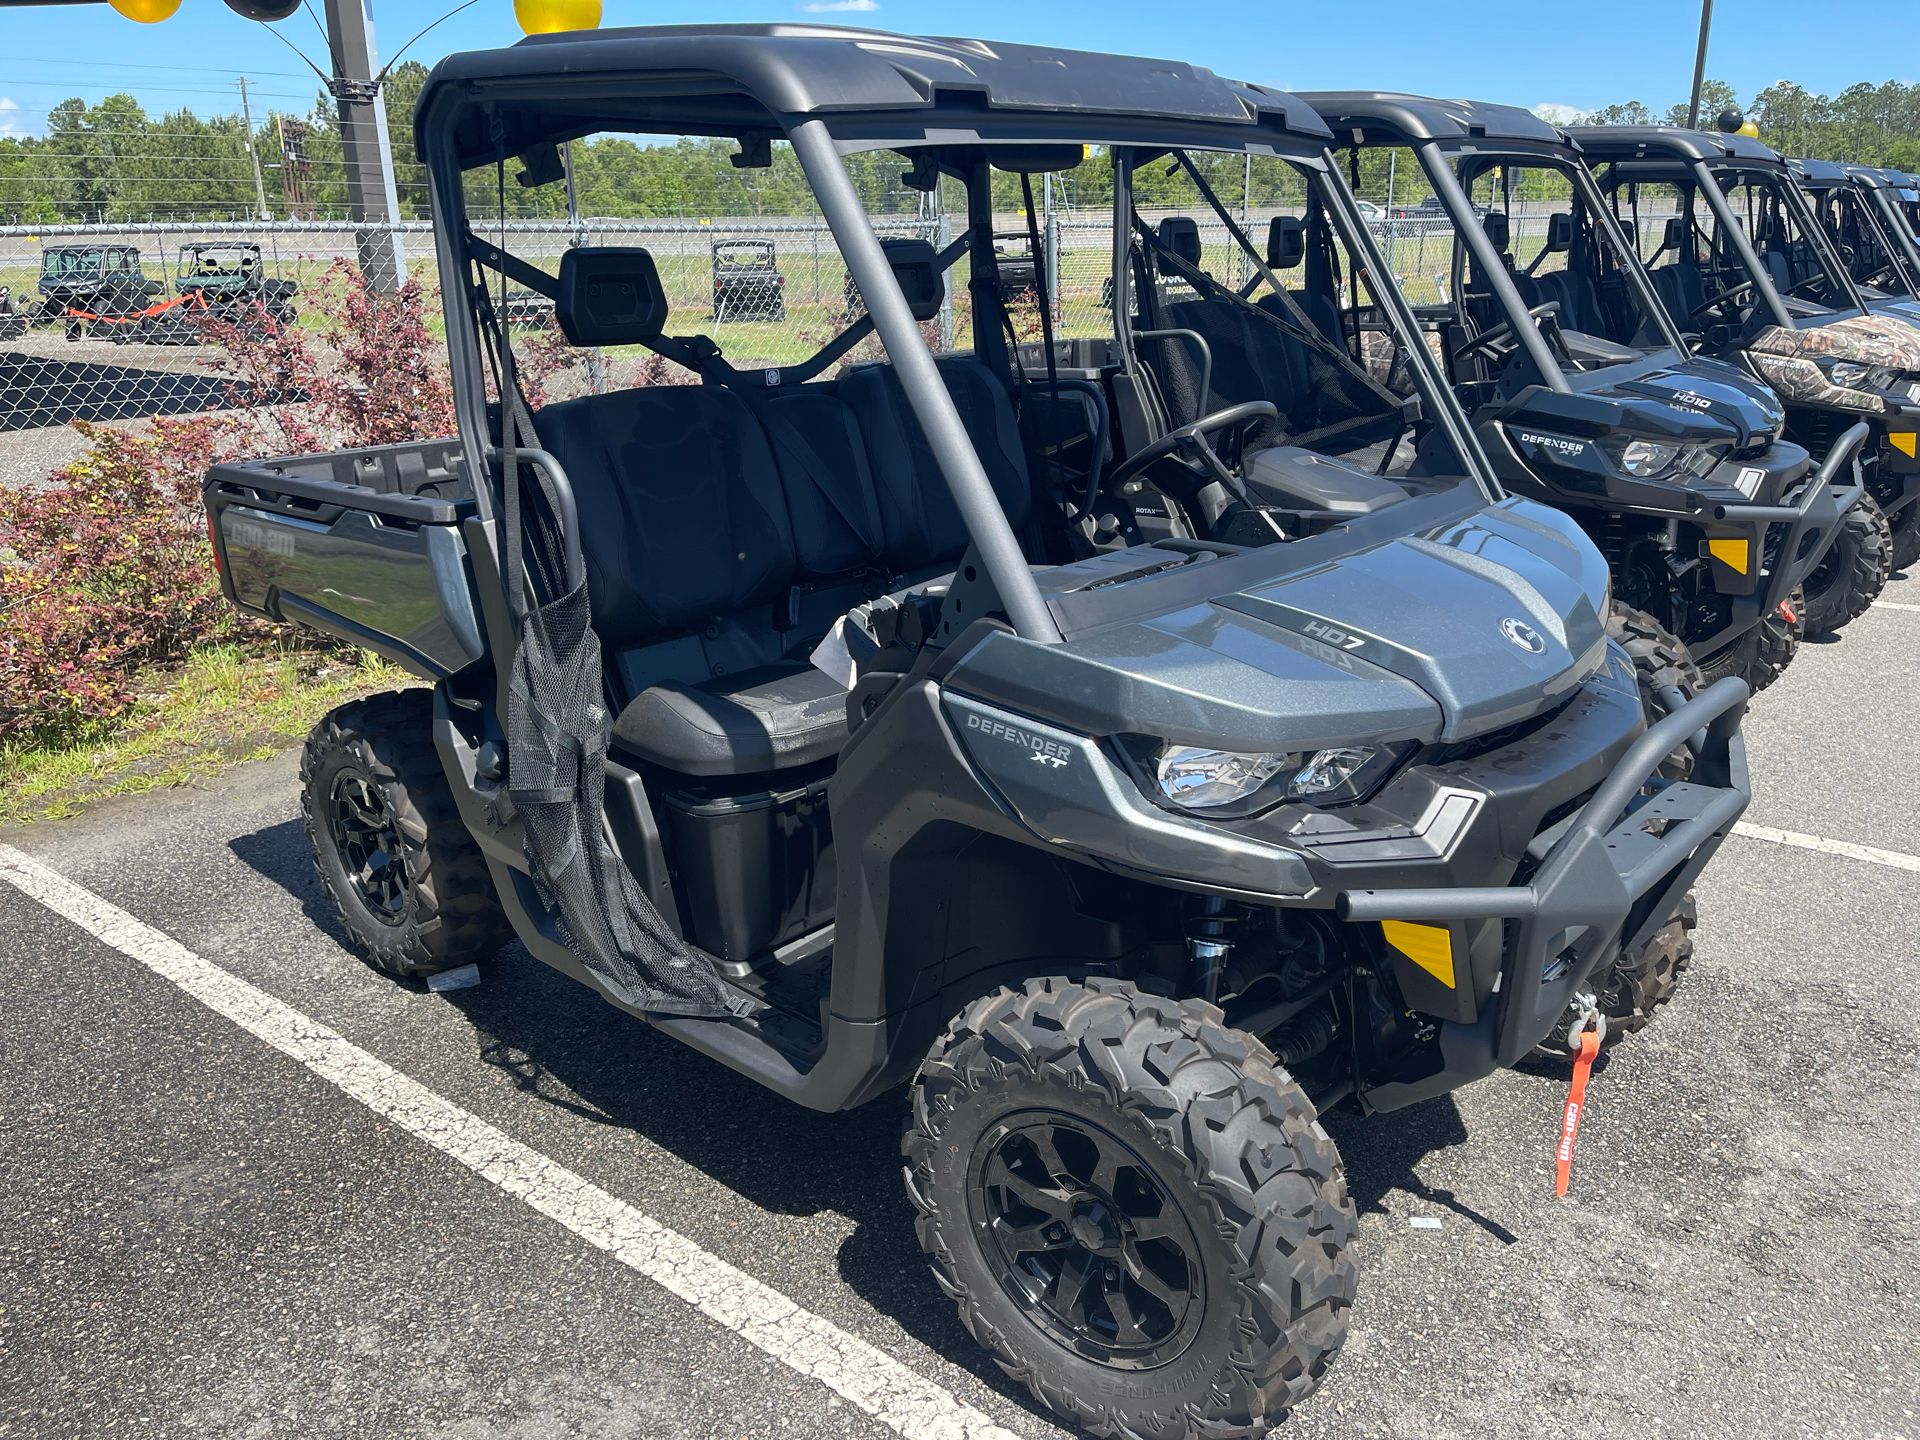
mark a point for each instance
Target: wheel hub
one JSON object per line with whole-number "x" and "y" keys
{"x": 370, "y": 848}
{"x": 1086, "y": 1239}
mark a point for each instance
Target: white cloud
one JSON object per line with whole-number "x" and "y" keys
{"x": 837, "y": 7}
{"x": 1555, "y": 113}
{"x": 9, "y": 116}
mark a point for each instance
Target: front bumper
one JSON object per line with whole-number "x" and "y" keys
{"x": 1607, "y": 878}
{"x": 1810, "y": 516}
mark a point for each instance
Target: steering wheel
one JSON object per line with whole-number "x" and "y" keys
{"x": 1502, "y": 334}
{"x": 1720, "y": 301}
{"x": 1194, "y": 437}
{"x": 1807, "y": 284}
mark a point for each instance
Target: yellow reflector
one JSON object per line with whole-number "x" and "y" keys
{"x": 1906, "y": 443}
{"x": 1428, "y": 946}
{"x": 1731, "y": 553}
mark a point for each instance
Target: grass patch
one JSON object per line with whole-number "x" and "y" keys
{"x": 224, "y": 706}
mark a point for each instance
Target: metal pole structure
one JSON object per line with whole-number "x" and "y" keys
{"x": 1700, "y": 65}
{"x": 372, "y": 198}
{"x": 253, "y": 153}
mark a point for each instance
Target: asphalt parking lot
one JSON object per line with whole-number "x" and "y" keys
{"x": 223, "y": 1215}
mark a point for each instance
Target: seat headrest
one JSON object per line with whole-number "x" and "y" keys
{"x": 1674, "y": 234}
{"x": 1560, "y": 231}
{"x": 916, "y": 266}
{"x": 610, "y": 295}
{"x": 1498, "y": 230}
{"x": 1180, "y": 235}
{"x": 1286, "y": 242}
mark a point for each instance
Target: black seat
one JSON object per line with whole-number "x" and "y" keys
{"x": 723, "y": 535}
{"x": 923, "y": 525}
{"x": 777, "y": 718}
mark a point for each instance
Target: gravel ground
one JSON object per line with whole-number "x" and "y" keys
{"x": 200, "y": 1238}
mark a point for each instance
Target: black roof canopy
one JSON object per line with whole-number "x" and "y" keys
{"x": 1820, "y": 174}
{"x": 1668, "y": 142}
{"x": 1416, "y": 118}
{"x": 871, "y": 87}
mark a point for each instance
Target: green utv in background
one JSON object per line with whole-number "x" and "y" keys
{"x": 1133, "y": 747}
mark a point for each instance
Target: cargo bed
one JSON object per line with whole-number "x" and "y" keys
{"x": 365, "y": 545}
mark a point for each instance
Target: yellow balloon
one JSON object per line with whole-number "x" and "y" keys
{"x": 147, "y": 12}
{"x": 544, "y": 17}
{"x": 1750, "y": 130}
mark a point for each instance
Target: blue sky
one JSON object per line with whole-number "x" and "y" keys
{"x": 1545, "y": 52}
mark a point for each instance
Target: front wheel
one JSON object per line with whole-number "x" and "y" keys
{"x": 1661, "y": 662}
{"x": 1134, "y": 1207}
{"x": 1761, "y": 656}
{"x": 1636, "y": 984}
{"x": 1904, "y": 525}
{"x": 410, "y": 886}
{"x": 1853, "y": 572}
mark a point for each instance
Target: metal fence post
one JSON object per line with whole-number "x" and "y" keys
{"x": 944, "y": 237}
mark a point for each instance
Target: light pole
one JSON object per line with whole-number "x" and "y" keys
{"x": 373, "y": 200}
{"x": 1700, "y": 64}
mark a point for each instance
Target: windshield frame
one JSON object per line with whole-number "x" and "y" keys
{"x": 1708, "y": 174}
{"x": 1321, "y": 173}
{"x": 1568, "y": 161}
{"x": 1893, "y": 230}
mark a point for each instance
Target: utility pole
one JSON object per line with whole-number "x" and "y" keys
{"x": 372, "y": 197}
{"x": 1700, "y": 64}
{"x": 253, "y": 153}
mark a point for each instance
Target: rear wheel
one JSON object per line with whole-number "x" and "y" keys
{"x": 1853, "y": 572}
{"x": 409, "y": 884}
{"x": 1134, "y": 1208}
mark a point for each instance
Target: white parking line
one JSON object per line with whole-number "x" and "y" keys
{"x": 1846, "y": 848}
{"x": 1893, "y": 605}
{"x": 875, "y": 1382}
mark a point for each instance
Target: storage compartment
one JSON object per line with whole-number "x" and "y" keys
{"x": 752, "y": 870}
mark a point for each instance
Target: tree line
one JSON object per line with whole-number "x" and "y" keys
{"x": 111, "y": 161}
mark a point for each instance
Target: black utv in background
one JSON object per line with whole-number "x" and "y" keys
{"x": 1738, "y": 259}
{"x": 1587, "y": 396}
{"x": 747, "y": 283}
{"x": 1133, "y": 752}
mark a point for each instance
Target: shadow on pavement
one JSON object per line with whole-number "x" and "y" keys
{"x": 561, "y": 1046}
{"x": 36, "y": 392}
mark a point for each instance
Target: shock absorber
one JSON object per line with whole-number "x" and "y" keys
{"x": 1211, "y": 922}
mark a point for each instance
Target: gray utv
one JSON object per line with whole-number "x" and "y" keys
{"x": 1739, "y": 259}
{"x": 1130, "y": 773}
{"x": 1586, "y": 394}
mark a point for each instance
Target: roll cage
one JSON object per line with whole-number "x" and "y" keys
{"x": 1703, "y": 166}
{"x": 1457, "y": 142}
{"x": 953, "y": 107}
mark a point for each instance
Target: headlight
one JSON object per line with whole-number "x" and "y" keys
{"x": 1196, "y": 779}
{"x": 1233, "y": 783}
{"x": 1853, "y": 375}
{"x": 1660, "y": 459}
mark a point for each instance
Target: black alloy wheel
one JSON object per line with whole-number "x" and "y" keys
{"x": 371, "y": 852}
{"x": 1086, "y": 1240}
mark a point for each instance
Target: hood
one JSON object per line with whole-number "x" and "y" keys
{"x": 1443, "y": 632}
{"x": 1788, "y": 358}
{"x": 1714, "y": 389}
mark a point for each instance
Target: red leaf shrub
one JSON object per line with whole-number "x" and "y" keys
{"x": 107, "y": 571}
{"x": 112, "y": 575}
